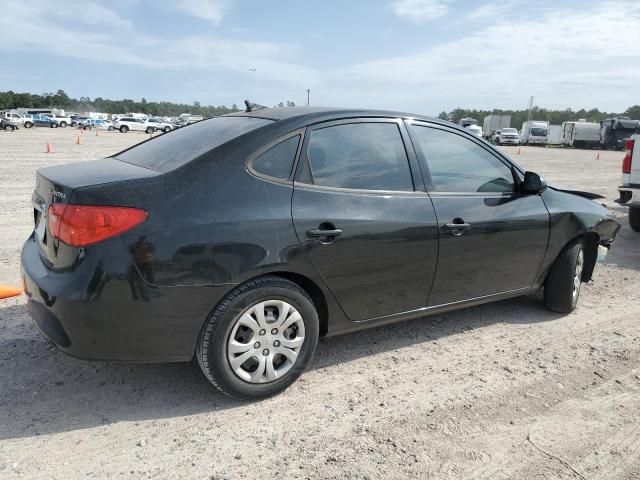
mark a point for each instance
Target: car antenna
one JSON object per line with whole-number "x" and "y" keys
{"x": 252, "y": 107}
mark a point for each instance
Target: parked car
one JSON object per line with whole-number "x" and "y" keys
{"x": 507, "y": 136}
{"x": 7, "y": 125}
{"x": 76, "y": 120}
{"x": 63, "y": 120}
{"x": 98, "y": 123}
{"x": 630, "y": 185}
{"x": 614, "y": 132}
{"x": 125, "y": 124}
{"x": 160, "y": 125}
{"x": 42, "y": 120}
{"x": 244, "y": 238}
{"x": 476, "y": 130}
{"x": 19, "y": 119}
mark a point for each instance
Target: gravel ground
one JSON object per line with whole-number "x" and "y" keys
{"x": 500, "y": 391}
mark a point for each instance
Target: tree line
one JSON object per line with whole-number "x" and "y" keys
{"x": 10, "y": 100}
{"x": 555, "y": 117}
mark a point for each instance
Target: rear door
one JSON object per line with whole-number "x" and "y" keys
{"x": 492, "y": 239}
{"x": 363, "y": 217}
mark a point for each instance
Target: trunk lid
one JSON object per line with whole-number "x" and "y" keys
{"x": 57, "y": 185}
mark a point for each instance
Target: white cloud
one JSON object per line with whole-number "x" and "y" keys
{"x": 495, "y": 9}
{"x": 209, "y": 10}
{"x": 420, "y": 11}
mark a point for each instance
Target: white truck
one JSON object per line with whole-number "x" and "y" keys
{"x": 492, "y": 123}
{"x": 581, "y": 134}
{"x": 630, "y": 185}
{"x": 534, "y": 132}
{"x": 555, "y": 135}
{"x": 25, "y": 120}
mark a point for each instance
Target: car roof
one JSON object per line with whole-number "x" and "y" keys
{"x": 312, "y": 113}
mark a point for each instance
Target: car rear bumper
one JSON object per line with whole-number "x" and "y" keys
{"x": 102, "y": 309}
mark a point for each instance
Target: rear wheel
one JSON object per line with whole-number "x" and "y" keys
{"x": 634, "y": 218}
{"x": 124, "y": 129}
{"x": 167, "y": 129}
{"x": 562, "y": 286}
{"x": 63, "y": 124}
{"x": 28, "y": 124}
{"x": 259, "y": 339}
{"x": 150, "y": 130}
{"x": 9, "y": 128}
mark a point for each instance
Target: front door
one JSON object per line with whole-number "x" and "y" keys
{"x": 492, "y": 239}
{"x": 369, "y": 233}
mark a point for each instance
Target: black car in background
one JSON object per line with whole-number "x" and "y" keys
{"x": 245, "y": 238}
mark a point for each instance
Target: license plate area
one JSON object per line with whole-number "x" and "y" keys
{"x": 40, "y": 219}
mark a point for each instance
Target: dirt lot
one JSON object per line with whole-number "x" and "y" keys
{"x": 500, "y": 391}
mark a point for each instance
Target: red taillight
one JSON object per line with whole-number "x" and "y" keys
{"x": 626, "y": 162}
{"x": 82, "y": 225}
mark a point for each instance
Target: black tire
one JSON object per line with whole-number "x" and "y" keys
{"x": 124, "y": 129}
{"x": 167, "y": 129}
{"x": 63, "y": 124}
{"x": 8, "y": 128}
{"x": 634, "y": 218}
{"x": 111, "y": 128}
{"x": 86, "y": 127}
{"x": 559, "y": 285}
{"x": 150, "y": 130}
{"x": 211, "y": 350}
{"x": 28, "y": 124}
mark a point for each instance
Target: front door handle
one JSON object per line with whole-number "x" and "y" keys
{"x": 319, "y": 233}
{"x": 457, "y": 227}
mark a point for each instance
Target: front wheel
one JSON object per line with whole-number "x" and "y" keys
{"x": 634, "y": 218}
{"x": 562, "y": 286}
{"x": 167, "y": 129}
{"x": 63, "y": 124}
{"x": 9, "y": 128}
{"x": 150, "y": 130}
{"x": 28, "y": 124}
{"x": 259, "y": 339}
{"x": 124, "y": 129}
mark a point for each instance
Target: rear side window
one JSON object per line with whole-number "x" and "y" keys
{"x": 457, "y": 164}
{"x": 277, "y": 162}
{"x": 178, "y": 147}
{"x": 369, "y": 156}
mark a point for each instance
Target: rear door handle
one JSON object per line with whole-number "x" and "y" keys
{"x": 318, "y": 233}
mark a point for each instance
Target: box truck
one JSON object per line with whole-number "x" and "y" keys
{"x": 581, "y": 134}
{"x": 534, "y": 132}
{"x": 492, "y": 123}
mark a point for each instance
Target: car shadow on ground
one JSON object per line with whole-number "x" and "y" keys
{"x": 43, "y": 391}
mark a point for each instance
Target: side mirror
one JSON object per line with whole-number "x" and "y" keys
{"x": 533, "y": 183}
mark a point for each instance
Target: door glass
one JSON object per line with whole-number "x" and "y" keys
{"x": 457, "y": 164}
{"x": 278, "y": 160}
{"x": 367, "y": 156}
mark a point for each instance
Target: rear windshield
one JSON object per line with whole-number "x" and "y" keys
{"x": 174, "y": 149}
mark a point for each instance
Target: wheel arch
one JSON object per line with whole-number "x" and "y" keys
{"x": 313, "y": 290}
{"x": 590, "y": 240}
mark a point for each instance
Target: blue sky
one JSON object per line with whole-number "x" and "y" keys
{"x": 423, "y": 56}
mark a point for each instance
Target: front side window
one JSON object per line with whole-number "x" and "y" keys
{"x": 277, "y": 162}
{"x": 369, "y": 156}
{"x": 457, "y": 164}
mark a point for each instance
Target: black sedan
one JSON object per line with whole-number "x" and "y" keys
{"x": 244, "y": 238}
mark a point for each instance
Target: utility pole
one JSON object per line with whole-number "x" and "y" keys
{"x": 308, "y": 93}
{"x": 530, "y": 107}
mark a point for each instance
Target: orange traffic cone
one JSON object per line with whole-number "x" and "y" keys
{"x": 6, "y": 291}
{"x": 49, "y": 148}
{"x": 78, "y": 141}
